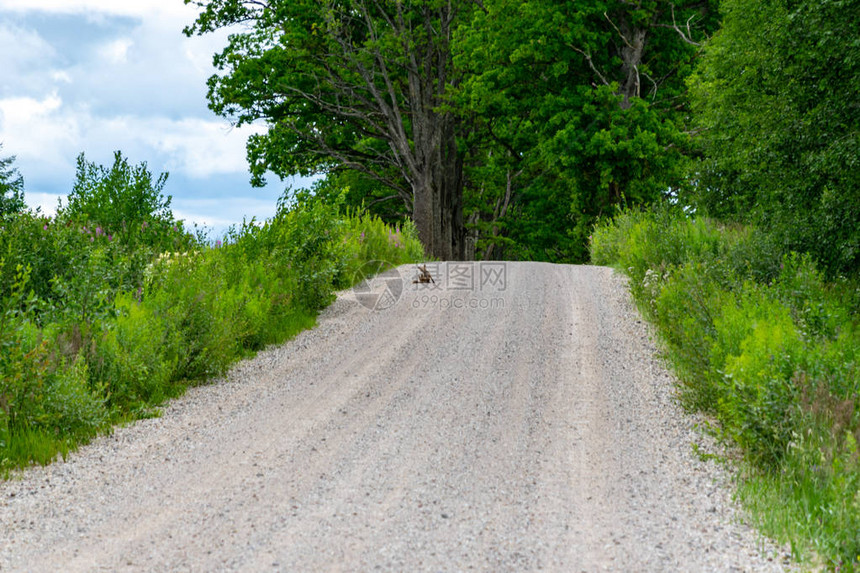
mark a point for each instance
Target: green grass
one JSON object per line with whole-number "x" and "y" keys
{"x": 35, "y": 446}
{"x": 770, "y": 350}
{"x": 114, "y": 333}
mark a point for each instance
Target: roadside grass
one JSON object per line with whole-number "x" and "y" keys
{"x": 767, "y": 346}
{"x": 99, "y": 326}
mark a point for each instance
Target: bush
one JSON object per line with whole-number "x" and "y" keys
{"x": 11, "y": 189}
{"x": 121, "y": 198}
{"x": 102, "y": 323}
{"x": 764, "y": 344}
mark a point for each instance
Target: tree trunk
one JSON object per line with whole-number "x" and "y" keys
{"x": 438, "y": 200}
{"x": 634, "y": 39}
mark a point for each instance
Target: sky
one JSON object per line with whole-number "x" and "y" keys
{"x": 96, "y": 76}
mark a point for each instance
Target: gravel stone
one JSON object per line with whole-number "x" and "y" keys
{"x": 519, "y": 422}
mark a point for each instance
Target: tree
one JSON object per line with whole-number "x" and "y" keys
{"x": 582, "y": 108}
{"x": 120, "y": 197}
{"x": 11, "y": 188}
{"x": 359, "y": 192}
{"x": 774, "y": 98}
{"x": 356, "y": 84}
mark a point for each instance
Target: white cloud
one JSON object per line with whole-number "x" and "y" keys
{"x": 40, "y": 128}
{"x": 202, "y": 220}
{"x": 116, "y": 52}
{"x": 196, "y": 148}
{"x": 22, "y": 47}
{"x": 55, "y": 133}
{"x": 202, "y": 148}
{"x": 26, "y": 55}
{"x": 209, "y": 213}
{"x": 61, "y": 76}
{"x": 97, "y": 76}
{"x": 135, "y": 8}
{"x": 46, "y": 202}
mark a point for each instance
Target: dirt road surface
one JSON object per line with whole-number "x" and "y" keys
{"x": 509, "y": 417}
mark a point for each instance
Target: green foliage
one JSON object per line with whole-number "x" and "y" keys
{"x": 469, "y": 106}
{"x": 121, "y": 198}
{"x": 764, "y": 344}
{"x": 572, "y": 124}
{"x": 11, "y": 188}
{"x": 781, "y": 140}
{"x": 363, "y": 193}
{"x": 100, "y": 243}
{"x": 130, "y": 358}
{"x": 114, "y": 325}
{"x": 353, "y": 84}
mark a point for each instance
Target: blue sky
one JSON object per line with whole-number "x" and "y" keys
{"x": 96, "y": 76}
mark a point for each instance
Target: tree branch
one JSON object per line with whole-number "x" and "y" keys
{"x": 623, "y": 37}
{"x": 590, "y": 63}
{"x": 688, "y": 37}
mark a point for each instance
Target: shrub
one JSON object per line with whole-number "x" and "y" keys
{"x": 764, "y": 344}
{"x": 100, "y": 325}
{"x": 11, "y": 189}
{"x": 120, "y": 198}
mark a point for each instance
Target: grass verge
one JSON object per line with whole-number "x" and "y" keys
{"x": 770, "y": 349}
{"x": 99, "y": 326}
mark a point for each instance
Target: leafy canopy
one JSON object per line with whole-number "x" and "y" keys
{"x": 780, "y": 128}
{"x": 581, "y": 109}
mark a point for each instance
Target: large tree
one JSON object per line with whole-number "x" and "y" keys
{"x": 356, "y": 84}
{"x": 582, "y": 108}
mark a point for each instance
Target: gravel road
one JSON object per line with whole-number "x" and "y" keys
{"x": 509, "y": 417}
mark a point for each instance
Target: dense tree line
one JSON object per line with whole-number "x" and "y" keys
{"x": 507, "y": 128}
{"x": 776, "y": 102}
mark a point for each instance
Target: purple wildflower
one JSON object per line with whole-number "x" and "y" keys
{"x": 218, "y": 244}
{"x": 99, "y": 232}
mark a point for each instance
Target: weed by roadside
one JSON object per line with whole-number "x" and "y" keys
{"x": 761, "y": 341}
{"x": 100, "y": 324}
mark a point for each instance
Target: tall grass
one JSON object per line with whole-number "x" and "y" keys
{"x": 768, "y": 348}
{"x": 100, "y": 325}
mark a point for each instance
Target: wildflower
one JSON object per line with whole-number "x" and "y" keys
{"x": 99, "y": 232}
{"x": 218, "y": 244}
{"x": 361, "y": 239}
{"x": 144, "y": 225}
{"x": 45, "y": 228}
{"x": 110, "y": 237}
